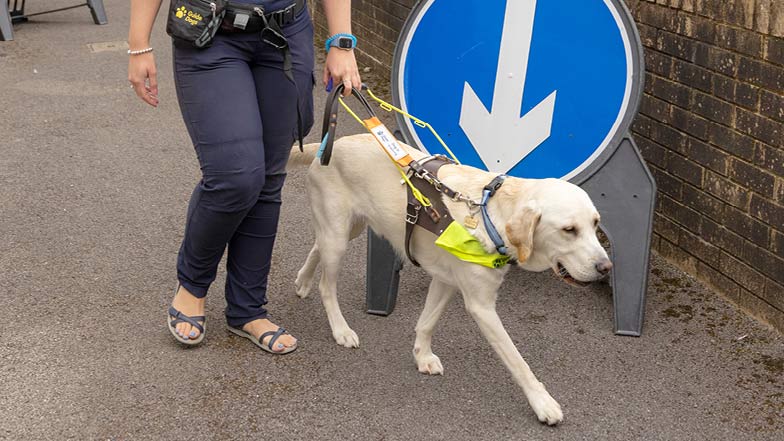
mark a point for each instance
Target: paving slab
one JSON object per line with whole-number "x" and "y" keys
{"x": 93, "y": 191}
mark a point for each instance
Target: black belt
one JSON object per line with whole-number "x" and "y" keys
{"x": 254, "y": 21}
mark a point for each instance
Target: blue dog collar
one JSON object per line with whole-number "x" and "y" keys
{"x": 487, "y": 193}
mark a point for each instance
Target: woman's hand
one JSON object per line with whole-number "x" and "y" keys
{"x": 341, "y": 66}
{"x": 144, "y": 77}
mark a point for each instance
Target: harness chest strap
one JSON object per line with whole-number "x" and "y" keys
{"x": 438, "y": 217}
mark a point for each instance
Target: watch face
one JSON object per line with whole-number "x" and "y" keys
{"x": 345, "y": 43}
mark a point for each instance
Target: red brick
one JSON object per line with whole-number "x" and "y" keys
{"x": 669, "y": 137}
{"x": 675, "y": 45}
{"x": 667, "y": 184}
{"x": 770, "y": 158}
{"x": 774, "y": 294}
{"x": 642, "y": 125}
{"x": 669, "y": 91}
{"x": 718, "y": 280}
{"x": 726, "y": 190}
{"x": 747, "y": 95}
{"x": 713, "y": 109}
{"x": 751, "y": 177}
{"x": 681, "y": 214}
{"x": 702, "y": 202}
{"x": 707, "y": 155}
{"x": 684, "y": 168}
{"x": 762, "y": 74}
{"x": 772, "y": 105}
{"x": 720, "y": 236}
{"x": 731, "y": 141}
{"x": 764, "y": 261}
{"x": 715, "y": 59}
{"x": 691, "y": 75}
{"x": 738, "y": 40}
{"x": 652, "y": 152}
{"x": 741, "y": 273}
{"x": 777, "y": 243}
{"x": 677, "y": 255}
{"x": 658, "y": 63}
{"x": 774, "y": 50}
{"x": 698, "y": 248}
{"x": 748, "y": 227}
{"x": 768, "y": 212}
{"x": 766, "y": 130}
{"x": 665, "y": 227}
{"x": 690, "y": 123}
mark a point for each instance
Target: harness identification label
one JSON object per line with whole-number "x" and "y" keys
{"x": 387, "y": 141}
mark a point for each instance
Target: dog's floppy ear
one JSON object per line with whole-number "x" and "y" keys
{"x": 520, "y": 229}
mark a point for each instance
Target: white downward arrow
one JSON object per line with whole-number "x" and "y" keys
{"x": 501, "y": 137}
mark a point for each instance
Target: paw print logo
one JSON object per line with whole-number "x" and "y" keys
{"x": 180, "y": 12}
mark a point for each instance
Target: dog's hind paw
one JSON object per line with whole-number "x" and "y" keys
{"x": 430, "y": 364}
{"x": 547, "y": 410}
{"x": 347, "y": 338}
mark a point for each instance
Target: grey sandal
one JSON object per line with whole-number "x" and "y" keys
{"x": 258, "y": 341}
{"x": 194, "y": 320}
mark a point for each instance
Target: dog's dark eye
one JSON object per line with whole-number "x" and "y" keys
{"x": 570, "y": 230}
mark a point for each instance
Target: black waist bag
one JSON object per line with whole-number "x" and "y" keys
{"x": 195, "y": 22}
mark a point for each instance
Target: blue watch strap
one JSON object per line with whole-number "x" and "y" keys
{"x": 328, "y": 44}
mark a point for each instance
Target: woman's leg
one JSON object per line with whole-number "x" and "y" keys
{"x": 250, "y": 249}
{"x": 216, "y": 92}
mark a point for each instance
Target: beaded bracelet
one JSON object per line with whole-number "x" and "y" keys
{"x": 140, "y": 51}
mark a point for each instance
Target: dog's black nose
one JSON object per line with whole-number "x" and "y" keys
{"x": 604, "y": 266}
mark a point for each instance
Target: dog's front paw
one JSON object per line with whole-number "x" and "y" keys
{"x": 303, "y": 286}
{"x": 346, "y": 337}
{"x": 546, "y": 408}
{"x": 430, "y": 364}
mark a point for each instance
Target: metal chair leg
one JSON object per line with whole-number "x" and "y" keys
{"x": 98, "y": 11}
{"x": 6, "y": 28}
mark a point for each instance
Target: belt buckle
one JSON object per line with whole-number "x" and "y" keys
{"x": 285, "y": 15}
{"x": 270, "y": 35}
{"x": 413, "y": 218}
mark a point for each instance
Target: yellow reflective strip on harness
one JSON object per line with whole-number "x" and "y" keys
{"x": 389, "y": 108}
{"x": 351, "y": 112}
{"x": 415, "y": 191}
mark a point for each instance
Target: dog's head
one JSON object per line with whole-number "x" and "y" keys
{"x": 554, "y": 226}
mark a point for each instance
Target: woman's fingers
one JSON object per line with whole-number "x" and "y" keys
{"x": 325, "y": 76}
{"x": 144, "y": 78}
{"x": 153, "y": 76}
{"x": 143, "y": 92}
{"x": 341, "y": 66}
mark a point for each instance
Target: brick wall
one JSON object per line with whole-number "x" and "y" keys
{"x": 711, "y": 127}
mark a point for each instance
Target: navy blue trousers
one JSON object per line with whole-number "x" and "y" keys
{"x": 241, "y": 113}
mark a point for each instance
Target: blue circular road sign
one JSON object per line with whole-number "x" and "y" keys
{"x": 530, "y": 88}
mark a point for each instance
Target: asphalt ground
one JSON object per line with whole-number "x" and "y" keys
{"x": 93, "y": 191}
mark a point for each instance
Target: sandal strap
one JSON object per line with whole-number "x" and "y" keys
{"x": 192, "y": 320}
{"x": 274, "y": 334}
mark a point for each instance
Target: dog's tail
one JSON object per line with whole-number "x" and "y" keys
{"x": 304, "y": 157}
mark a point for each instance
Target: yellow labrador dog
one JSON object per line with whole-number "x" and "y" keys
{"x": 545, "y": 223}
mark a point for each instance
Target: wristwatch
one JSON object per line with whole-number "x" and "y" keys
{"x": 342, "y": 41}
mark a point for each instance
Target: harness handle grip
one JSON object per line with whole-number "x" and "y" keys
{"x": 330, "y": 123}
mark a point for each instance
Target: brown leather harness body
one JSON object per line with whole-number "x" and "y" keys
{"x": 425, "y": 171}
